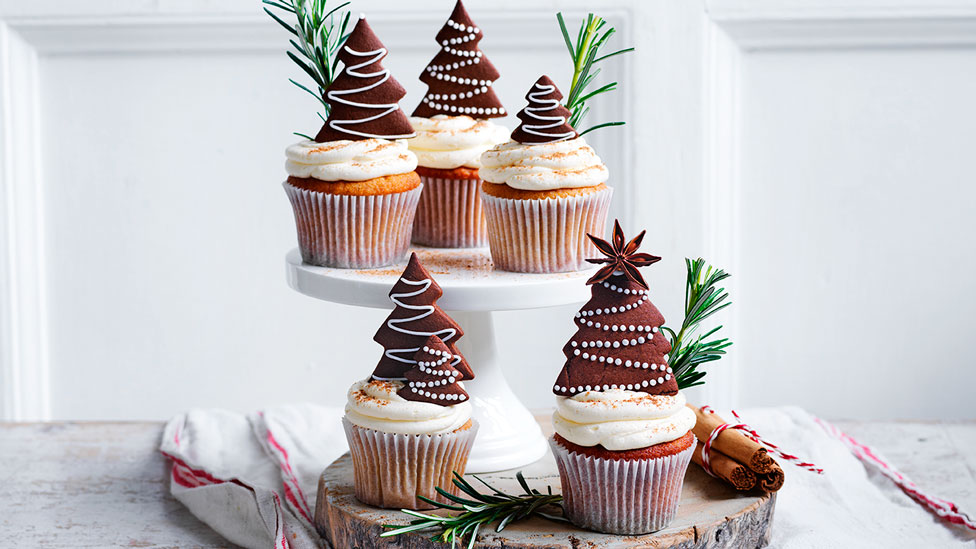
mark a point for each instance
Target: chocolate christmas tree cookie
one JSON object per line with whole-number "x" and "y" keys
{"x": 415, "y": 318}
{"x": 544, "y": 119}
{"x": 434, "y": 378}
{"x": 618, "y": 342}
{"x": 459, "y": 78}
{"x": 364, "y": 98}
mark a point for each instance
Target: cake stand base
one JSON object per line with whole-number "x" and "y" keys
{"x": 710, "y": 515}
{"x": 508, "y": 436}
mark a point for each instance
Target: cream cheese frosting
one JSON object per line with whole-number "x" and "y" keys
{"x": 375, "y": 404}
{"x": 618, "y": 419}
{"x": 544, "y": 167}
{"x": 448, "y": 142}
{"x": 349, "y": 160}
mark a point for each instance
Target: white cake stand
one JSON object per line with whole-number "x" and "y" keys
{"x": 508, "y": 436}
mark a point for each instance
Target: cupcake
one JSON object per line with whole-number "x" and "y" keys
{"x": 544, "y": 190}
{"x": 453, "y": 129}
{"x": 354, "y": 188}
{"x": 623, "y": 433}
{"x": 409, "y": 425}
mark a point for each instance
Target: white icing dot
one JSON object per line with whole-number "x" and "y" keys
{"x": 606, "y": 387}
{"x": 627, "y": 364}
{"x": 617, "y": 362}
{"x": 653, "y": 382}
{"x": 631, "y": 327}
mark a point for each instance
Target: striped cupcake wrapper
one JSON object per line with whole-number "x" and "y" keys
{"x": 353, "y": 232}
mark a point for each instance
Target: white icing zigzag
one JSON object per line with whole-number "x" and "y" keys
{"x": 353, "y": 70}
{"x": 547, "y": 105}
{"x": 443, "y": 72}
{"x": 445, "y": 334}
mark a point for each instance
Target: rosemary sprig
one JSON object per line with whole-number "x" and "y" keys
{"x": 585, "y": 54}
{"x": 480, "y": 510}
{"x": 702, "y": 300}
{"x": 318, "y": 35}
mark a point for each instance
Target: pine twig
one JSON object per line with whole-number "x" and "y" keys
{"x": 476, "y": 511}
{"x": 585, "y": 54}
{"x": 702, "y": 300}
{"x": 318, "y": 33}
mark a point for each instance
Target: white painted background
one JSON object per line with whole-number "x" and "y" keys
{"x": 821, "y": 150}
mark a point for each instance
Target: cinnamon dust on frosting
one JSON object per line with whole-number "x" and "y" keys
{"x": 349, "y": 160}
{"x": 375, "y": 404}
{"x": 544, "y": 167}
{"x": 619, "y": 419}
{"x": 448, "y": 142}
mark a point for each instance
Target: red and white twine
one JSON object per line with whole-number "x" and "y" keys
{"x": 943, "y": 508}
{"x": 752, "y": 434}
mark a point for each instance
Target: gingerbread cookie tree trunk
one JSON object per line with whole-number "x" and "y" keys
{"x": 544, "y": 119}
{"x": 364, "y": 98}
{"x": 434, "y": 378}
{"x": 618, "y": 343}
{"x": 415, "y": 318}
{"x": 459, "y": 78}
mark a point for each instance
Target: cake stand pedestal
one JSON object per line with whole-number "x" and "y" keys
{"x": 508, "y": 436}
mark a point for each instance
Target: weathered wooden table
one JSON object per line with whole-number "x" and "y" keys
{"x": 70, "y": 484}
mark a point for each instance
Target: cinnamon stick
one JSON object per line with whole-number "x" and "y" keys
{"x": 726, "y": 468}
{"x": 771, "y": 481}
{"x": 732, "y": 443}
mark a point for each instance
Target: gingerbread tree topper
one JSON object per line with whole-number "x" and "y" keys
{"x": 618, "y": 343}
{"x": 544, "y": 119}
{"x": 415, "y": 318}
{"x": 434, "y": 378}
{"x": 459, "y": 78}
{"x": 364, "y": 99}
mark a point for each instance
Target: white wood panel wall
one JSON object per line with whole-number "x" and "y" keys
{"x": 810, "y": 147}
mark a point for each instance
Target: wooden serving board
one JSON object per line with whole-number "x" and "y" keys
{"x": 710, "y": 515}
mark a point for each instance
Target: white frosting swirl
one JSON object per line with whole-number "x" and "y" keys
{"x": 545, "y": 166}
{"x": 448, "y": 142}
{"x": 375, "y": 404}
{"x": 618, "y": 419}
{"x": 349, "y": 160}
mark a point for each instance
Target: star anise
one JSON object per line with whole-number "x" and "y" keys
{"x": 620, "y": 257}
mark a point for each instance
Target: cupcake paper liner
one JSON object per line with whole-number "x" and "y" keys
{"x": 620, "y": 496}
{"x": 545, "y": 235}
{"x": 353, "y": 232}
{"x": 391, "y": 469}
{"x": 449, "y": 214}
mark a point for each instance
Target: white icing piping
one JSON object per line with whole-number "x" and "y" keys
{"x": 427, "y": 311}
{"x": 442, "y": 72}
{"x": 548, "y": 105}
{"x": 352, "y": 70}
{"x": 640, "y": 339}
{"x": 428, "y": 368}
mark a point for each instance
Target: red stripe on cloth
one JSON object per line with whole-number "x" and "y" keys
{"x": 281, "y": 540}
{"x": 292, "y": 487}
{"x": 941, "y": 507}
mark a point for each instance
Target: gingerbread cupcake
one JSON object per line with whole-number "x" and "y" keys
{"x": 623, "y": 433}
{"x": 409, "y": 425}
{"x": 453, "y": 128}
{"x": 544, "y": 190}
{"x": 354, "y": 188}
